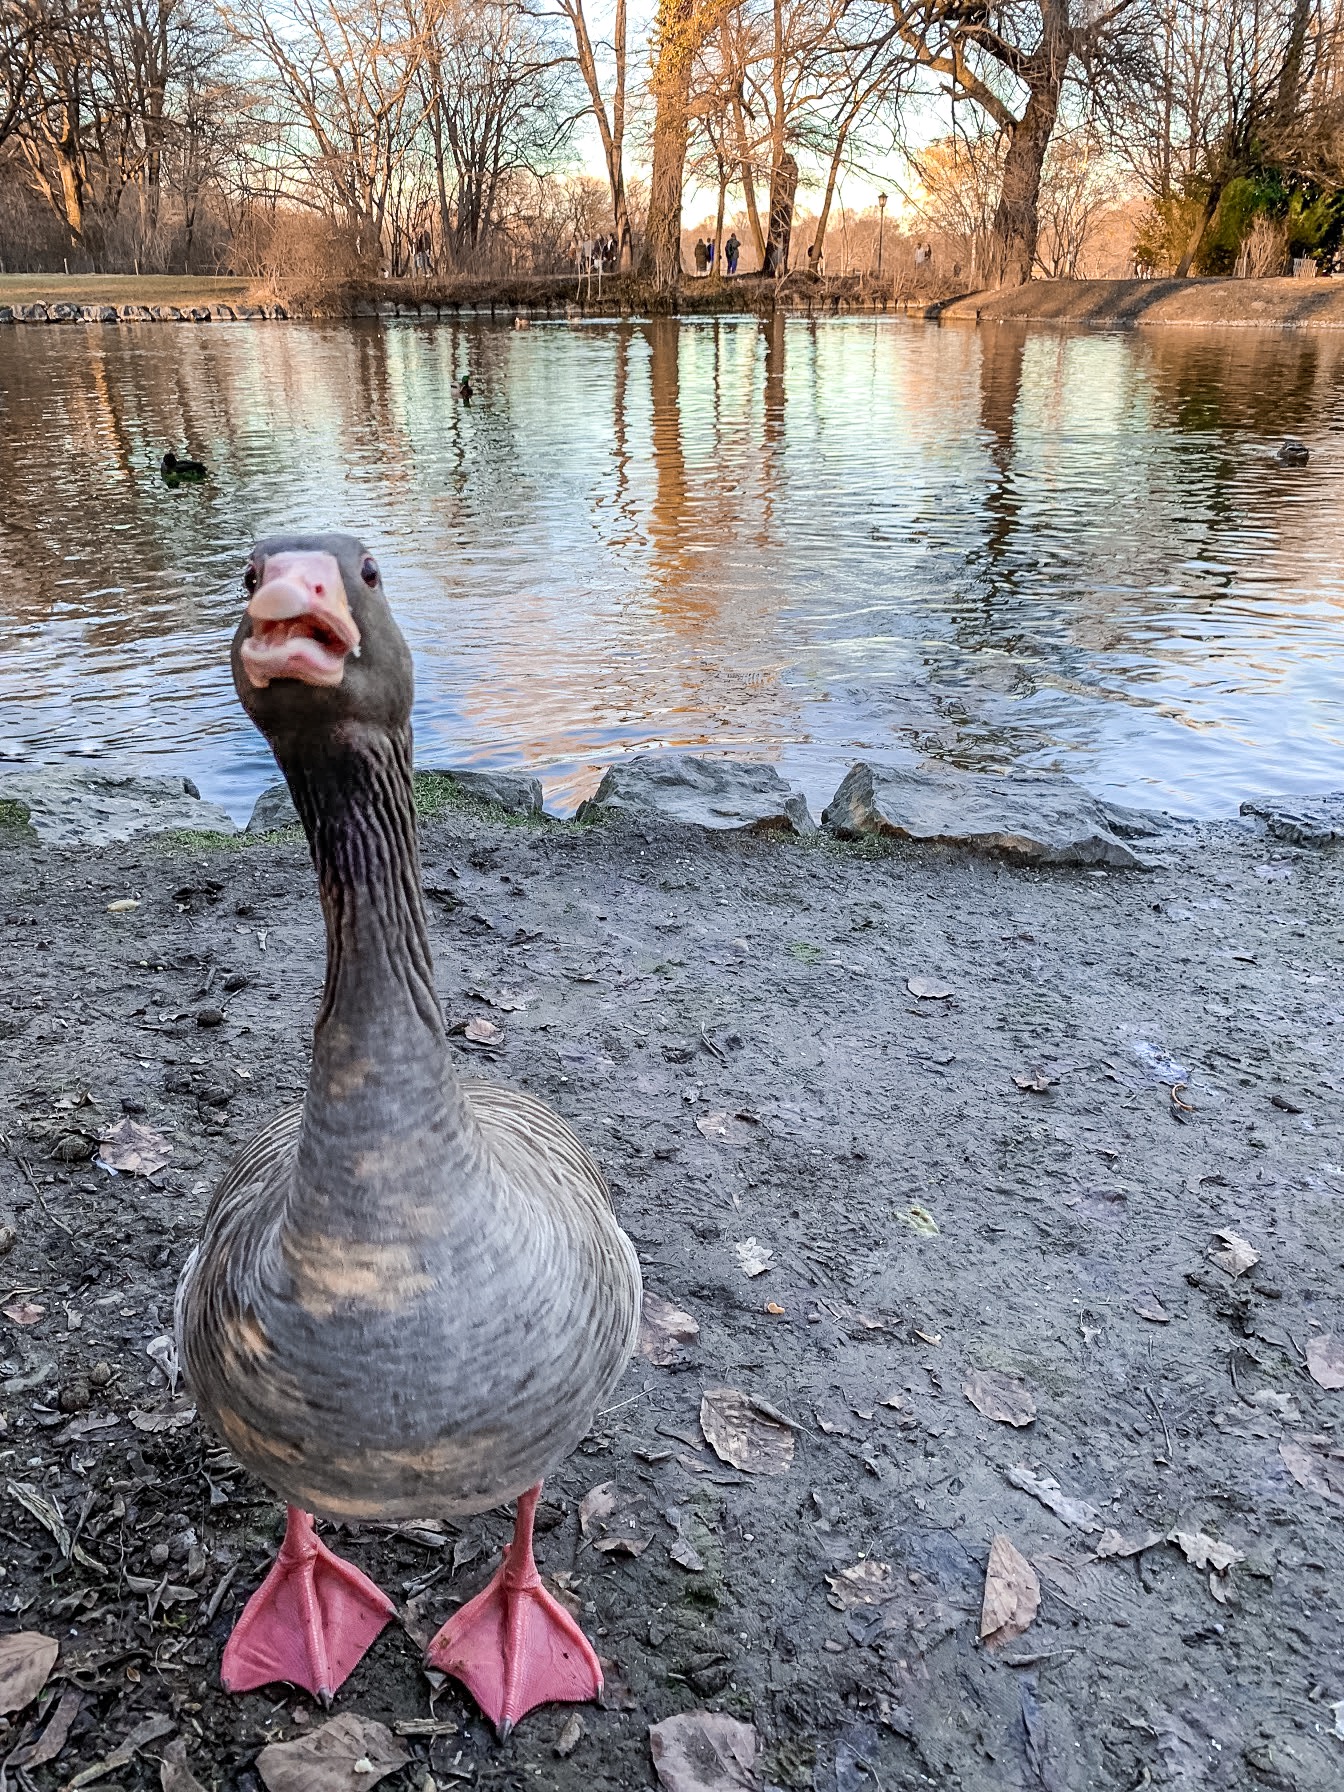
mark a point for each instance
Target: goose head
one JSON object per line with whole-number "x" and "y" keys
{"x": 317, "y": 647}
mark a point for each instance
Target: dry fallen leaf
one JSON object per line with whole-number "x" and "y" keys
{"x": 1012, "y": 1594}
{"x": 621, "y": 1545}
{"x": 684, "y": 1553}
{"x": 174, "y": 1774}
{"x": 1235, "y": 1255}
{"x": 1325, "y": 1360}
{"x": 1035, "y": 1080}
{"x": 153, "y": 1729}
{"x": 1148, "y": 1306}
{"x": 169, "y": 1415}
{"x": 773, "y": 1306}
{"x": 867, "y": 1583}
{"x": 598, "y": 1503}
{"x": 133, "y": 1149}
{"x": 1048, "y": 1491}
{"x": 122, "y": 906}
{"x": 919, "y": 1219}
{"x": 703, "y": 1751}
{"x": 742, "y": 1436}
{"x": 26, "y": 1660}
{"x": 928, "y": 989}
{"x": 999, "y": 1397}
{"x": 57, "y": 1733}
{"x": 1202, "y": 1551}
{"x": 1315, "y": 1472}
{"x": 346, "y": 1755}
{"x": 25, "y": 1312}
{"x": 1115, "y": 1543}
{"x": 481, "y": 1031}
{"x": 662, "y": 1328}
{"x": 754, "y": 1258}
{"x": 571, "y": 1734}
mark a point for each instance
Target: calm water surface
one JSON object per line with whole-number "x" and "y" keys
{"x": 803, "y": 542}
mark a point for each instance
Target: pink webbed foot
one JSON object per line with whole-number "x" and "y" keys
{"x": 309, "y": 1622}
{"x": 514, "y": 1647}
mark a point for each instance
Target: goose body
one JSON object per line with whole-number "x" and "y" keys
{"x": 411, "y": 1294}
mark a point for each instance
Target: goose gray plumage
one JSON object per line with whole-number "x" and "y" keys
{"x": 411, "y": 1293}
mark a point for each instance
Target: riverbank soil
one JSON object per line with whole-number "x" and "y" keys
{"x": 975, "y": 1121}
{"x": 1112, "y": 303}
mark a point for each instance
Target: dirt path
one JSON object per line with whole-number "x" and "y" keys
{"x": 729, "y": 1026}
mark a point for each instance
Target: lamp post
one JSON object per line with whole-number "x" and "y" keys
{"x": 881, "y": 221}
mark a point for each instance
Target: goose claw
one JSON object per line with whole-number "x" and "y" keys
{"x": 513, "y": 1646}
{"x": 309, "y": 1622}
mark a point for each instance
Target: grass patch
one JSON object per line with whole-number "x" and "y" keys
{"x": 435, "y": 793}
{"x": 15, "y": 818}
{"x": 121, "y": 289}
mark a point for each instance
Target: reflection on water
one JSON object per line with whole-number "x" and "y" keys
{"x": 784, "y": 539}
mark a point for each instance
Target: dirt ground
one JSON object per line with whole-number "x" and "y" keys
{"x": 759, "y": 987}
{"x": 1302, "y": 304}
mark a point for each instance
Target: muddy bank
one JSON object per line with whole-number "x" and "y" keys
{"x": 1112, "y": 304}
{"x": 1023, "y": 1176}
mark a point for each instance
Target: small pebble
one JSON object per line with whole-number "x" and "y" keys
{"x": 100, "y": 1374}
{"x": 8, "y": 1239}
{"x": 209, "y": 1017}
{"x": 74, "y": 1396}
{"x": 159, "y": 1554}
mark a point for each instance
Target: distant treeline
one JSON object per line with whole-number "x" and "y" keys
{"x": 316, "y": 141}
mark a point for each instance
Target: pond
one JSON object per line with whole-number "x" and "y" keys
{"x": 806, "y": 542}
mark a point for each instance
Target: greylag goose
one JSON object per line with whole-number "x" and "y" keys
{"x": 410, "y": 1295}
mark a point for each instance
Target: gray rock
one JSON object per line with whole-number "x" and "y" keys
{"x": 515, "y": 792}
{"x": 1138, "y": 824}
{"x": 71, "y": 805}
{"x": 724, "y": 795}
{"x": 274, "y": 809}
{"x": 31, "y": 314}
{"x": 6, "y": 314}
{"x": 64, "y": 313}
{"x": 1034, "y": 821}
{"x": 1301, "y": 820}
{"x": 222, "y": 314}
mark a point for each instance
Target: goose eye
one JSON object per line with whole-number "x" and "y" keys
{"x": 369, "y": 571}
{"x": 250, "y": 578}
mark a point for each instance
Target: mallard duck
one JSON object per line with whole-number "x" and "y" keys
{"x": 411, "y": 1294}
{"x": 173, "y": 468}
{"x": 464, "y": 389}
{"x": 1293, "y": 453}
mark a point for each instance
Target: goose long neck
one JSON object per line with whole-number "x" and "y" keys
{"x": 382, "y": 1098}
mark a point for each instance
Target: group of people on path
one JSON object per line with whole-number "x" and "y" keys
{"x": 704, "y": 255}
{"x": 596, "y": 255}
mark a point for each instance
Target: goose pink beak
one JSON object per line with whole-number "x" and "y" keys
{"x": 301, "y": 622}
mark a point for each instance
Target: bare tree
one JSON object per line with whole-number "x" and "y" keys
{"x": 1242, "y": 85}
{"x": 610, "y": 120}
{"x": 1011, "y": 60}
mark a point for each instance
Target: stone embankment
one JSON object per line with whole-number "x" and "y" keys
{"x": 61, "y": 312}
{"x": 1023, "y": 818}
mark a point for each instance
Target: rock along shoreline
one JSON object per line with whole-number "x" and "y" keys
{"x": 1022, "y": 818}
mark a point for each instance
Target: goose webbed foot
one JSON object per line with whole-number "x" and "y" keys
{"x": 309, "y": 1622}
{"x": 514, "y": 1647}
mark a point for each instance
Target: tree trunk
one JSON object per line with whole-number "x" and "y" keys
{"x": 718, "y": 221}
{"x": 1017, "y": 220}
{"x": 1200, "y": 231}
{"x": 783, "y": 187}
{"x": 661, "y": 258}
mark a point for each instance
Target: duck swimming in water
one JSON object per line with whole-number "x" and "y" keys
{"x": 464, "y": 389}
{"x": 172, "y": 468}
{"x": 411, "y": 1294}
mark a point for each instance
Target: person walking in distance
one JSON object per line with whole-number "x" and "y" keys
{"x": 731, "y": 249}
